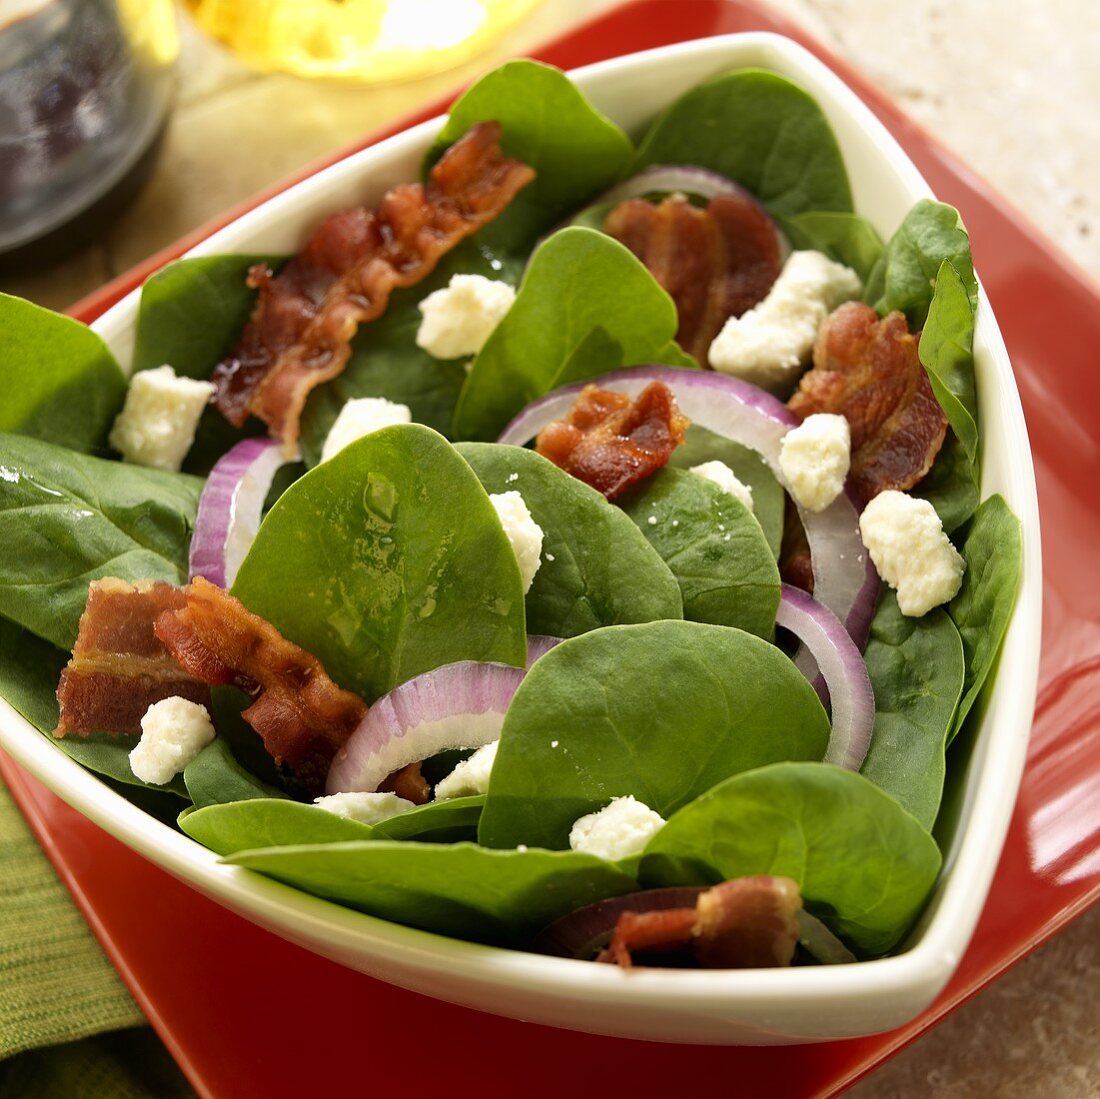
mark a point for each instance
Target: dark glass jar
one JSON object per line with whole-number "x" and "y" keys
{"x": 85, "y": 88}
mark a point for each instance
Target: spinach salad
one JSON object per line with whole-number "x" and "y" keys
{"x": 651, "y": 663}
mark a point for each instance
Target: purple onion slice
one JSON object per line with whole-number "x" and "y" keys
{"x": 231, "y": 507}
{"x": 842, "y": 667}
{"x": 844, "y": 578}
{"x": 581, "y": 934}
{"x": 820, "y": 943}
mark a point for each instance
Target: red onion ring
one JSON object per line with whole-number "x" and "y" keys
{"x": 820, "y": 943}
{"x": 844, "y": 672}
{"x": 844, "y": 578}
{"x": 231, "y": 507}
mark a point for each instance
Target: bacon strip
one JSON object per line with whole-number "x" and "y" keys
{"x": 302, "y": 717}
{"x": 300, "y": 331}
{"x": 745, "y": 923}
{"x": 610, "y": 442}
{"x": 119, "y": 668}
{"x": 715, "y": 263}
{"x": 868, "y": 370}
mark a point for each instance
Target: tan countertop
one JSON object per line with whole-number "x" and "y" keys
{"x": 1014, "y": 89}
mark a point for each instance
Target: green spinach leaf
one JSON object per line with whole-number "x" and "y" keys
{"x": 951, "y": 485}
{"x": 662, "y": 711}
{"x": 597, "y": 570}
{"x": 916, "y": 668}
{"x": 758, "y": 129}
{"x": 847, "y": 238}
{"x": 67, "y": 519}
{"x": 451, "y": 821}
{"x": 547, "y": 123}
{"x": 905, "y": 276}
{"x": 714, "y": 546}
{"x": 268, "y": 822}
{"x": 61, "y": 383}
{"x": 386, "y": 561}
{"x": 947, "y": 353}
{"x": 214, "y": 777}
{"x": 460, "y": 889}
{"x": 864, "y": 865}
{"x": 993, "y": 551}
{"x": 700, "y": 446}
{"x": 386, "y": 362}
{"x": 578, "y": 281}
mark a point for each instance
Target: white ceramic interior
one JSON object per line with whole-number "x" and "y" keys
{"x": 757, "y": 1007}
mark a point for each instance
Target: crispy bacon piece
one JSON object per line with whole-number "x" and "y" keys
{"x": 715, "y": 263}
{"x": 611, "y": 442}
{"x": 119, "y": 668}
{"x": 868, "y": 370}
{"x": 300, "y": 331}
{"x": 746, "y": 923}
{"x": 408, "y": 783}
{"x": 302, "y": 717}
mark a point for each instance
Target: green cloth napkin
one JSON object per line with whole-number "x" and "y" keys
{"x": 57, "y": 989}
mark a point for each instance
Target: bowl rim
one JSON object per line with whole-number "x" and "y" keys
{"x": 940, "y": 937}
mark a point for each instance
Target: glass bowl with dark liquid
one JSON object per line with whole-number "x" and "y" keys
{"x": 85, "y": 89}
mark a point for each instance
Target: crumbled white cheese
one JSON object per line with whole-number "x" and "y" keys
{"x": 771, "y": 343}
{"x": 459, "y": 318}
{"x": 156, "y": 426}
{"x": 360, "y": 417}
{"x": 367, "y": 808}
{"x": 523, "y": 532}
{"x": 173, "y": 732}
{"x": 471, "y": 776}
{"x": 814, "y": 458}
{"x": 620, "y": 829}
{"x": 720, "y": 474}
{"x": 907, "y": 543}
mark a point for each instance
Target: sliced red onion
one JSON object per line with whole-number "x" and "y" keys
{"x": 662, "y": 179}
{"x": 820, "y": 943}
{"x": 844, "y": 672}
{"x": 844, "y": 578}
{"x": 457, "y": 706}
{"x": 231, "y": 507}
{"x": 538, "y": 645}
{"x": 583, "y": 933}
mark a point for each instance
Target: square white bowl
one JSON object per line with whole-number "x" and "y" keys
{"x": 751, "y": 1006}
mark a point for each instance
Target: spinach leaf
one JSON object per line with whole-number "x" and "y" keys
{"x": 864, "y": 865}
{"x": 579, "y": 280}
{"x": 29, "y": 671}
{"x": 386, "y": 362}
{"x": 450, "y": 821}
{"x": 847, "y": 238}
{"x": 993, "y": 550}
{"x": 61, "y": 383}
{"x": 214, "y": 777}
{"x": 662, "y": 711}
{"x": 268, "y": 822}
{"x": 191, "y": 315}
{"x": 714, "y": 547}
{"x": 947, "y": 352}
{"x": 951, "y": 485}
{"x": 701, "y": 445}
{"x": 192, "y": 312}
{"x": 461, "y": 889}
{"x": 597, "y": 570}
{"x": 548, "y": 124}
{"x": 905, "y": 276}
{"x": 67, "y": 519}
{"x": 916, "y": 668}
{"x": 386, "y": 561}
{"x": 759, "y": 129}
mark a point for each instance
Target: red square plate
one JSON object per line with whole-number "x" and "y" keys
{"x": 247, "y": 1013}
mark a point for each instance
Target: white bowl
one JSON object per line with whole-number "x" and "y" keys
{"x": 752, "y": 1006}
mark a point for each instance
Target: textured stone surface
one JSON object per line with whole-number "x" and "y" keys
{"x": 1013, "y": 89}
